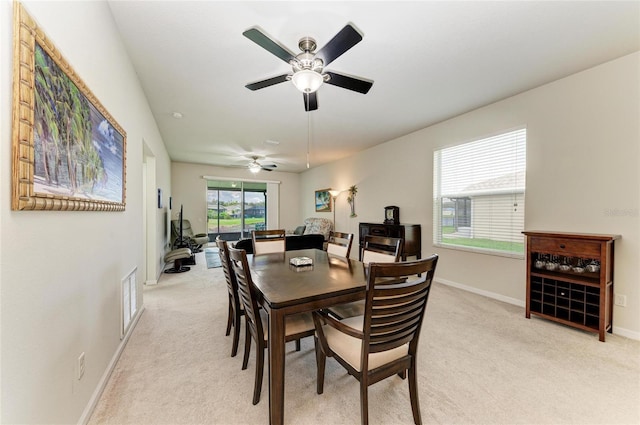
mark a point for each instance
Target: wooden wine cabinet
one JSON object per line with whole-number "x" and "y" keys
{"x": 570, "y": 279}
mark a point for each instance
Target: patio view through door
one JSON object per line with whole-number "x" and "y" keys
{"x": 234, "y": 209}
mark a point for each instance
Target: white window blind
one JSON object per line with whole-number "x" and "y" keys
{"x": 478, "y": 191}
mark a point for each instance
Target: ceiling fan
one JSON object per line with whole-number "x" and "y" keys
{"x": 308, "y": 71}
{"x": 255, "y": 167}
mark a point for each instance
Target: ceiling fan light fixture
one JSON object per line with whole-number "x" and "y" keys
{"x": 307, "y": 81}
{"x": 254, "y": 167}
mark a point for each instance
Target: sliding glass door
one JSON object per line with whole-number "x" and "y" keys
{"x": 234, "y": 209}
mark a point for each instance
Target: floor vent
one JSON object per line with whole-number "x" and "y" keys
{"x": 129, "y": 301}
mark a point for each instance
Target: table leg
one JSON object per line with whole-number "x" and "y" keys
{"x": 276, "y": 367}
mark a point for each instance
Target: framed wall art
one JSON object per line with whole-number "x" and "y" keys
{"x": 323, "y": 200}
{"x": 68, "y": 151}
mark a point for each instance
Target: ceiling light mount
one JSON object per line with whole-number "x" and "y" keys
{"x": 307, "y": 44}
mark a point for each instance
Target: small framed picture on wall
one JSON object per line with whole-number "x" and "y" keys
{"x": 323, "y": 200}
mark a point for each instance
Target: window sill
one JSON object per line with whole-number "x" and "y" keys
{"x": 495, "y": 253}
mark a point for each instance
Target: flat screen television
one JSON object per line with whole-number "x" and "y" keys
{"x": 180, "y": 219}
{"x": 180, "y": 241}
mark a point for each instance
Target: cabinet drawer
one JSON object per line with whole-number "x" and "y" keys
{"x": 379, "y": 231}
{"x": 569, "y": 247}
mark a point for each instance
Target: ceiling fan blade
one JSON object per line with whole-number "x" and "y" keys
{"x": 266, "y": 169}
{"x": 263, "y": 40}
{"x": 340, "y": 43}
{"x": 310, "y": 101}
{"x": 349, "y": 83}
{"x": 268, "y": 82}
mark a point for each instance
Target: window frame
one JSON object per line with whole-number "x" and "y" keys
{"x": 516, "y": 139}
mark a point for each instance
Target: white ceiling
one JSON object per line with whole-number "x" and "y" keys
{"x": 429, "y": 61}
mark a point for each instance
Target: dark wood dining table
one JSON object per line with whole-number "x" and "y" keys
{"x": 286, "y": 289}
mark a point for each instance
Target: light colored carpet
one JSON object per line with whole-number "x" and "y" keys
{"x": 480, "y": 362}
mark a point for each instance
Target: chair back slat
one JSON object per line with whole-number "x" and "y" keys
{"x": 369, "y": 256}
{"x": 339, "y": 244}
{"x": 337, "y": 249}
{"x": 378, "y": 249}
{"x": 268, "y": 247}
{"x": 393, "y": 333}
{"x": 382, "y": 331}
{"x": 391, "y": 343}
{"x": 390, "y": 316}
{"x": 394, "y": 311}
{"x": 384, "y": 299}
{"x": 246, "y": 292}
{"x": 268, "y": 241}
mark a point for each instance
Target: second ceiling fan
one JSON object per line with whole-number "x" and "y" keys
{"x": 254, "y": 166}
{"x": 308, "y": 72}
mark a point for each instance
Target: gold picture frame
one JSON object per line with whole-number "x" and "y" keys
{"x": 323, "y": 200}
{"x": 68, "y": 151}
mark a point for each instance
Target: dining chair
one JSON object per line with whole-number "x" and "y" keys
{"x": 381, "y": 249}
{"x": 268, "y": 241}
{"x": 376, "y": 248}
{"x": 384, "y": 341}
{"x": 296, "y": 326}
{"x": 339, "y": 244}
{"x": 236, "y": 310}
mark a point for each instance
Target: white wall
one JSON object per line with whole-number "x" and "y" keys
{"x": 189, "y": 189}
{"x": 61, "y": 271}
{"x": 583, "y": 151}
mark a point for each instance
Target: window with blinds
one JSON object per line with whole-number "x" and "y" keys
{"x": 478, "y": 190}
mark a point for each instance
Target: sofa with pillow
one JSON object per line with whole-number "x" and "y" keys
{"x": 318, "y": 226}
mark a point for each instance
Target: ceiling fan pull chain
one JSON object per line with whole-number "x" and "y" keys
{"x": 308, "y": 131}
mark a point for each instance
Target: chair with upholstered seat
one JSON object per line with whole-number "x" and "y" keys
{"x": 236, "y": 310}
{"x": 296, "y": 326}
{"x": 376, "y": 249}
{"x": 340, "y": 244}
{"x": 268, "y": 241}
{"x": 384, "y": 341}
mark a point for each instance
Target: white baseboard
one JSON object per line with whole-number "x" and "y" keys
{"x": 627, "y": 333}
{"x": 482, "y": 292}
{"x": 95, "y": 397}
